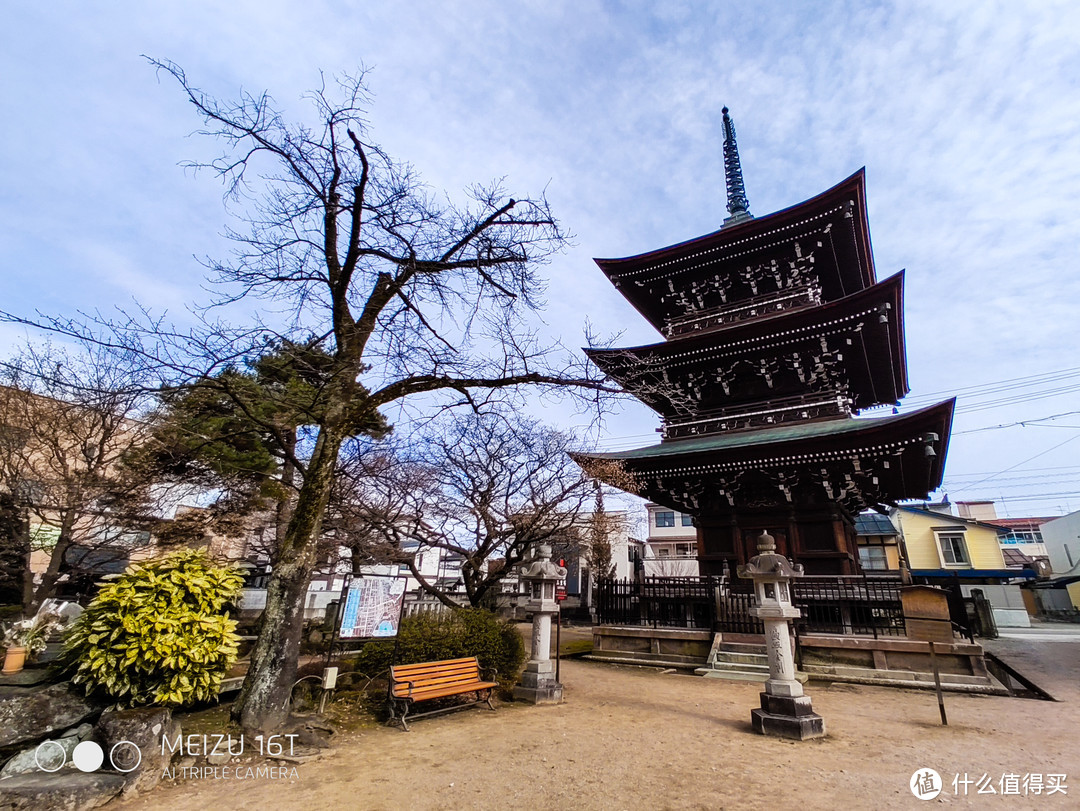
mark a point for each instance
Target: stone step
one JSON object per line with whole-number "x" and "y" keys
{"x": 742, "y": 647}
{"x": 730, "y": 657}
{"x": 732, "y": 674}
{"x": 659, "y": 661}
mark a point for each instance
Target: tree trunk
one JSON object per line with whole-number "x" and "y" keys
{"x": 47, "y": 587}
{"x": 263, "y": 705}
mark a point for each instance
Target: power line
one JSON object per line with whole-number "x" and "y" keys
{"x": 1029, "y": 470}
{"x": 1031, "y": 422}
{"x": 1002, "y": 385}
{"x": 1036, "y": 456}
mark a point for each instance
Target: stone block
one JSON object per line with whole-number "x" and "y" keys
{"x": 800, "y": 728}
{"x": 793, "y": 706}
{"x": 783, "y": 687}
{"x": 550, "y": 693}
{"x": 35, "y": 715}
{"x": 144, "y": 727}
{"x": 64, "y": 791}
{"x": 542, "y": 667}
{"x": 48, "y": 756}
{"x": 530, "y": 679}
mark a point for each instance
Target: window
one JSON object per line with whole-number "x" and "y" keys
{"x": 665, "y": 519}
{"x": 686, "y": 550}
{"x": 873, "y": 558}
{"x": 953, "y": 549}
{"x": 687, "y": 520}
{"x": 1022, "y": 537}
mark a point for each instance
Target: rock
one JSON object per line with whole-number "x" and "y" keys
{"x": 47, "y": 756}
{"x": 312, "y": 722}
{"x": 301, "y": 756}
{"x": 82, "y": 732}
{"x": 218, "y": 758}
{"x": 65, "y": 791}
{"x": 311, "y": 739}
{"x": 33, "y": 716}
{"x": 144, "y": 727}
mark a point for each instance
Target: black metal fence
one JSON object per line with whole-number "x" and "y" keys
{"x": 854, "y": 605}
{"x": 659, "y": 602}
{"x": 849, "y": 604}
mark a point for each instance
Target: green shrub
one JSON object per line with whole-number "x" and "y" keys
{"x": 432, "y": 637}
{"x": 159, "y": 634}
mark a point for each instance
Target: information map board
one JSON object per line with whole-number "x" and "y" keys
{"x": 372, "y": 607}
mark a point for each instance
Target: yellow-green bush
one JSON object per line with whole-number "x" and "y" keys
{"x": 159, "y": 634}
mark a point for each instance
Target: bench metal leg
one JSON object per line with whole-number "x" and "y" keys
{"x": 395, "y": 717}
{"x": 487, "y": 698}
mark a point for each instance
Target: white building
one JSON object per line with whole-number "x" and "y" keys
{"x": 1062, "y": 539}
{"x": 671, "y": 546}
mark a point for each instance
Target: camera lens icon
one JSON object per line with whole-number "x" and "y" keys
{"x": 124, "y": 756}
{"x": 87, "y": 757}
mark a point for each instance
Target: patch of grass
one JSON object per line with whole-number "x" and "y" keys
{"x": 575, "y": 647}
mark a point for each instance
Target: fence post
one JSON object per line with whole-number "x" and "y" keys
{"x": 869, "y": 602}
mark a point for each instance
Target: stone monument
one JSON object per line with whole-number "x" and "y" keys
{"x": 785, "y": 712}
{"x": 538, "y": 684}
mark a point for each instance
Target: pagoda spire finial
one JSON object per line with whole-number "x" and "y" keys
{"x": 737, "y": 204}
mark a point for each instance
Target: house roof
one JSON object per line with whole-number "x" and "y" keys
{"x": 1014, "y": 558}
{"x": 947, "y": 517}
{"x": 1029, "y": 524}
{"x": 873, "y": 524}
{"x": 976, "y": 575}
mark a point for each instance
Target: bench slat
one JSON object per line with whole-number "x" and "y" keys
{"x": 441, "y": 677}
{"x": 427, "y": 672}
{"x": 446, "y": 663}
{"x": 438, "y": 691}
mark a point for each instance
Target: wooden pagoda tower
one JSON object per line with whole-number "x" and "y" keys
{"x": 777, "y": 335}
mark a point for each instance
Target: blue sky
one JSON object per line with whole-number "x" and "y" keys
{"x": 966, "y": 116}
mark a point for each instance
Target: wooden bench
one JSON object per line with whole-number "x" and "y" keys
{"x": 430, "y": 680}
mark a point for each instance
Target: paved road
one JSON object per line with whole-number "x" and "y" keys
{"x": 1047, "y": 653}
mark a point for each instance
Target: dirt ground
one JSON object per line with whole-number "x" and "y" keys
{"x": 636, "y": 738}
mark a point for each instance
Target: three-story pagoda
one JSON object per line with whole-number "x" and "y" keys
{"x": 777, "y": 334}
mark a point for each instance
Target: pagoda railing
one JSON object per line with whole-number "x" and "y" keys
{"x": 778, "y": 411}
{"x": 859, "y": 605}
{"x": 766, "y": 304}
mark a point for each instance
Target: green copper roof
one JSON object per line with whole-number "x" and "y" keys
{"x": 768, "y": 436}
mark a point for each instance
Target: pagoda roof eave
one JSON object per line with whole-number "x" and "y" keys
{"x": 779, "y": 326}
{"x": 855, "y": 185}
{"x": 795, "y": 437}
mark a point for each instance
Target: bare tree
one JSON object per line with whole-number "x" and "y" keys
{"x": 409, "y": 296}
{"x": 666, "y": 566}
{"x": 494, "y": 486}
{"x": 66, "y": 422}
{"x": 379, "y": 504}
{"x": 599, "y": 536}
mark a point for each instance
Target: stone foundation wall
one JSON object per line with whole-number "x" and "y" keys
{"x": 897, "y": 662}
{"x": 672, "y": 647}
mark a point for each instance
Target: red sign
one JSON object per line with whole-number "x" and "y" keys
{"x": 560, "y": 593}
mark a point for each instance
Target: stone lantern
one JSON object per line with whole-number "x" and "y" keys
{"x": 785, "y": 712}
{"x": 538, "y": 684}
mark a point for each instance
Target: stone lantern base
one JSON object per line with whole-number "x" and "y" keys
{"x": 538, "y": 685}
{"x": 787, "y": 717}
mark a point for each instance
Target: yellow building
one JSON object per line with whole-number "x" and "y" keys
{"x": 940, "y": 548}
{"x": 939, "y": 541}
